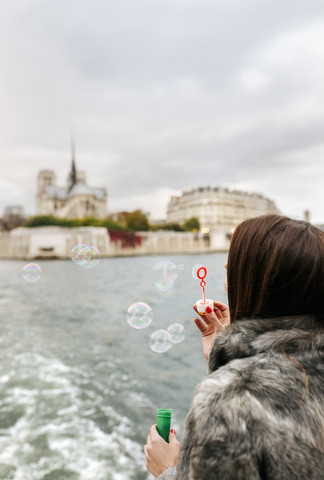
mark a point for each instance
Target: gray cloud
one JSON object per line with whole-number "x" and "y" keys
{"x": 163, "y": 96}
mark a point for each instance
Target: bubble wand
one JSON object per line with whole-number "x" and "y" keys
{"x": 203, "y": 303}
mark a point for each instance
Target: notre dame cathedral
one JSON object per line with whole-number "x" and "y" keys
{"x": 75, "y": 200}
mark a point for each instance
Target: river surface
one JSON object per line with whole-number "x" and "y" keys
{"x": 79, "y": 387}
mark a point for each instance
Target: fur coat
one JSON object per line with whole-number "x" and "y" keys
{"x": 259, "y": 414}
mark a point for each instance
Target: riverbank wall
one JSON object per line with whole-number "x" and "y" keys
{"x": 52, "y": 242}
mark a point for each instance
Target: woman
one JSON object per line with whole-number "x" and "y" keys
{"x": 259, "y": 414}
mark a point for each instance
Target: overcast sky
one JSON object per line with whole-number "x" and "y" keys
{"x": 163, "y": 96}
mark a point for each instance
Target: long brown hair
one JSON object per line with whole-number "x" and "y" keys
{"x": 275, "y": 267}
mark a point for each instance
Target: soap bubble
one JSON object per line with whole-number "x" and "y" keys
{"x": 195, "y": 269}
{"x": 160, "y": 341}
{"x": 85, "y": 256}
{"x": 93, "y": 257}
{"x": 167, "y": 275}
{"x": 181, "y": 266}
{"x": 175, "y": 331}
{"x": 139, "y": 315}
{"x": 79, "y": 253}
{"x": 32, "y": 272}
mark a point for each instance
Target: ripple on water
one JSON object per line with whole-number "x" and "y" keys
{"x": 56, "y": 426}
{"x": 61, "y": 474}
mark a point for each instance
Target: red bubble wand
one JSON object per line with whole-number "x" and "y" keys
{"x": 201, "y": 274}
{"x": 203, "y": 303}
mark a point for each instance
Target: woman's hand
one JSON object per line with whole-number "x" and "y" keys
{"x": 159, "y": 454}
{"x": 210, "y": 324}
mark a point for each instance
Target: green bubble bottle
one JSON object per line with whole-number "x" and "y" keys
{"x": 163, "y": 423}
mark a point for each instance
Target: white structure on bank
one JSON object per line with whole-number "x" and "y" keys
{"x": 75, "y": 200}
{"x": 218, "y": 208}
{"x": 57, "y": 242}
{"x": 51, "y": 242}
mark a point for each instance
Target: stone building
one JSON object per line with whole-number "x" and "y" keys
{"x": 218, "y": 208}
{"x": 75, "y": 200}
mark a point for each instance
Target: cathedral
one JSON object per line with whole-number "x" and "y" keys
{"x": 75, "y": 200}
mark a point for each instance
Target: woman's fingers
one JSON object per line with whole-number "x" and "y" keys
{"x": 200, "y": 325}
{"x": 214, "y": 318}
{"x": 205, "y": 317}
{"x": 204, "y": 329}
{"x": 217, "y": 318}
{"x": 221, "y": 307}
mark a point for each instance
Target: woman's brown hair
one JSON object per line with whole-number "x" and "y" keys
{"x": 275, "y": 267}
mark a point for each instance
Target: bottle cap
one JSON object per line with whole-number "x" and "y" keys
{"x": 202, "y": 305}
{"x": 164, "y": 412}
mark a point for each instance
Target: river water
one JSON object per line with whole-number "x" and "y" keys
{"x": 79, "y": 387}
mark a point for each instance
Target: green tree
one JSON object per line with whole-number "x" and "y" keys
{"x": 191, "y": 224}
{"x": 134, "y": 221}
{"x": 43, "y": 220}
{"x": 172, "y": 227}
{"x": 137, "y": 221}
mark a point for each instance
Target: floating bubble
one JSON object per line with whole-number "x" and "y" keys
{"x": 85, "y": 256}
{"x": 181, "y": 266}
{"x": 175, "y": 331}
{"x": 32, "y": 272}
{"x": 93, "y": 256}
{"x": 160, "y": 341}
{"x": 167, "y": 275}
{"x": 76, "y": 253}
{"x": 195, "y": 269}
{"x": 139, "y": 315}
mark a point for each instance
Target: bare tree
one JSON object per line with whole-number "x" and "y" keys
{"x": 13, "y": 216}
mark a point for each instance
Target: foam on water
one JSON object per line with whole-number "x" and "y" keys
{"x": 56, "y": 428}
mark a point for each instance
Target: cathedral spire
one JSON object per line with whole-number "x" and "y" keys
{"x": 73, "y": 173}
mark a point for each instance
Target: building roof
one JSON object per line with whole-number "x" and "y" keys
{"x": 56, "y": 192}
{"x": 80, "y": 188}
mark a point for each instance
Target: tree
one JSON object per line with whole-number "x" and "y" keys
{"x": 134, "y": 221}
{"x": 137, "y": 221}
{"x": 171, "y": 227}
{"x": 44, "y": 220}
{"x": 13, "y": 217}
{"x": 191, "y": 224}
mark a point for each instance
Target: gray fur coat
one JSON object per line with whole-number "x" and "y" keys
{"x": 259, "y": 414}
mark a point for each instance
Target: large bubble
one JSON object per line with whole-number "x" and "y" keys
{"x": 32, "y": 272}
{"x": 175, "y": 331}
{"x": 167, "y": 275}
{"x": 160, "y": 341}
{"x": 139, "y": 315}
{"x": 195, "y": 269}
{"x": 86, "y": 256}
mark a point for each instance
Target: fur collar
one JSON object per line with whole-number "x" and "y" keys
{"x": 246, "y": 338}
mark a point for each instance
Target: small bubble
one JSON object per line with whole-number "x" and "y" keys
{"x": 85, "y": 256}
{"x": 176, "y": 333}
{"x": 181, "y": 266}
{"x": 160, "y": 341}
{"x": 32, "y": 272}
{"x": 76, "y": 253}
{"x": 139, "y": 315}
{"x": 167, "y": 275}
{"x": 195, "y": 269}
{"x": 93, "y": 256}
